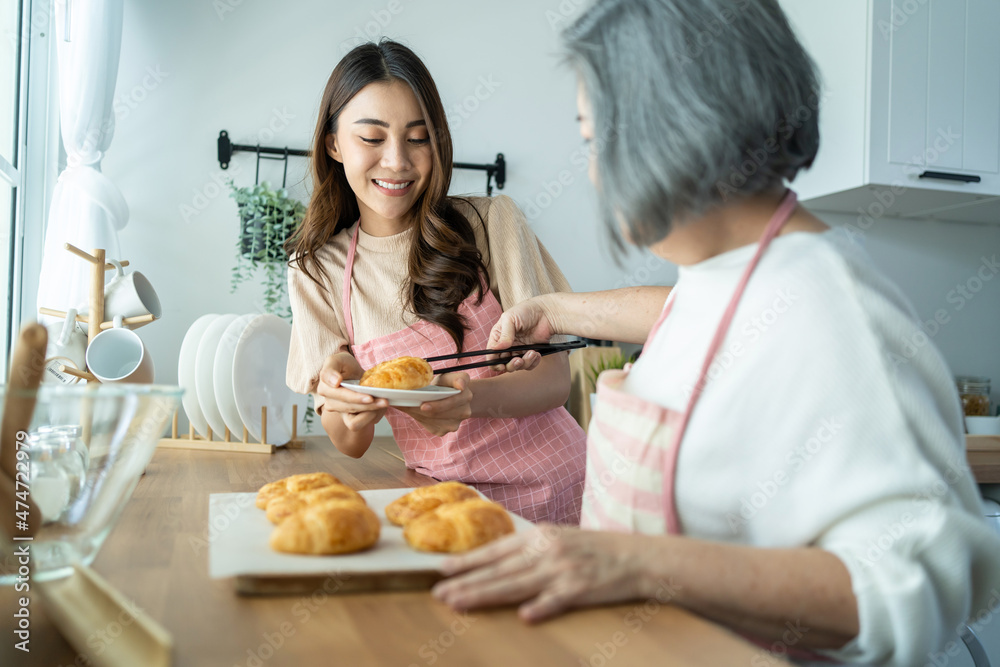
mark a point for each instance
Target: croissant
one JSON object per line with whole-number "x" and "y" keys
{"x": 282, "y": 507}
{"x": 293, "y": 484}
{"x": 399, "y": 373}
{"x": 426, "y": 498}
{"x": 458, "y": 527}
{"x": 330, "y": 527}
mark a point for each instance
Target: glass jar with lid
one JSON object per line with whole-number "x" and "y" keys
{"x": 975, "y": 395}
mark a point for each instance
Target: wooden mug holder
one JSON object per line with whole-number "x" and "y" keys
{"x": 227, "y": 444}
{"x": 95, "y": 318}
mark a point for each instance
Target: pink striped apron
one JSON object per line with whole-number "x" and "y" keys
{"x": 533, "y": 465}
{"x": 633, "y": 444}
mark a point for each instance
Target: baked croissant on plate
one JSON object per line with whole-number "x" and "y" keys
{"x": 293, "y": 484}
{"x": 330, "y": 527}
{"x": 282, "y": 507}
{"x": 426, "y": 498}
{"x": 399, "y": 373}
{"x": 458, "y": 527}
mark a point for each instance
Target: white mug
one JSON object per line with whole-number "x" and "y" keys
{"x": 118, "y": 355}
{"x": 67, "y": 347}
{"x": 129, "y": 295}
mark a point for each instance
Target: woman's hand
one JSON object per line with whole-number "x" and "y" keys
{"x": 446, "y": 415}
{"x": 357, "y": 410}
{"x": 550, "y": 569}
{"x": 527, "y": 322}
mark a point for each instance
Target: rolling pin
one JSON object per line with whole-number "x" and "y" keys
{"x": 26, "y": 370}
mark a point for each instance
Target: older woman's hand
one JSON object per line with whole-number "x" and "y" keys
{"x": 551, "y": 568}
{"x": 525, "y": 323}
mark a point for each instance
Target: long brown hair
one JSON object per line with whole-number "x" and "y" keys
{"x": 445, "y": 264}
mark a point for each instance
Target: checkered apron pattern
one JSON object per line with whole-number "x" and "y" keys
{"x": 533, "y": 465}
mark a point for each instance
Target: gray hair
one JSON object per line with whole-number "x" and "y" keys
{"x": 695, "y": 103}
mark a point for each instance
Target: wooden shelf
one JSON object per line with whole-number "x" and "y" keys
{"x": 983, "y": 453}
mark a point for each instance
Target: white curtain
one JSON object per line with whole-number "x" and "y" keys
{"x": 87, "y": 209}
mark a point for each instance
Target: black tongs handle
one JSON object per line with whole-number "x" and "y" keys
{"x": 543, "y": 349}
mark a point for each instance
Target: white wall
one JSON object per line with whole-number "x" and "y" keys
{"x": 188, "y": 71}
{"x": 933, "y": 262}
{"x": 258, "y": 71}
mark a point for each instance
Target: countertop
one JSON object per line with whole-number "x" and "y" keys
{"x": 983, "y": 453}
{"x": 157, "y": 556}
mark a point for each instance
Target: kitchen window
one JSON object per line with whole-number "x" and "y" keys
{"x": 10, "y": 175}
{"x": 26, "y": 177}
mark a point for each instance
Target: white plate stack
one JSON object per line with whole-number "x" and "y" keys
{"x": 230, "y": 367}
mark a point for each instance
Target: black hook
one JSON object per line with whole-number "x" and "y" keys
{"x": 256, "y": 176}
{"x": 284, "y": 177}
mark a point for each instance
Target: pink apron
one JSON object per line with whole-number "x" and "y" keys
{"x": 533, "y": 465}
{"x": 632, "y": 444}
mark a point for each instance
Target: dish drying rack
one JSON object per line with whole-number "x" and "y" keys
{"x": 227, "y": 444}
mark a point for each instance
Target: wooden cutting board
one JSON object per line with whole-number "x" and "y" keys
{"x": 238, "y": 539}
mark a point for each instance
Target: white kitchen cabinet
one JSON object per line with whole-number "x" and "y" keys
{"x": 910, "y": 110}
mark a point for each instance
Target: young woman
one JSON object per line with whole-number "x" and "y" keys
{"x": 776, "y": 458}
{"x": 386, "y": 264}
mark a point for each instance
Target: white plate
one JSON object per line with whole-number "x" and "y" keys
{"x": 404, "y": 398}
{"x": 204, "y": 367}
{"x": 222, "y": 374}
{"x": 186, "y": 372}
{"x": 259, "y": 378}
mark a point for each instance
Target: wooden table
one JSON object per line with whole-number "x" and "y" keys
{"x": 157, "y": 556}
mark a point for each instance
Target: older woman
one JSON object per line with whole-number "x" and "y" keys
{"x": 778, "y": 459}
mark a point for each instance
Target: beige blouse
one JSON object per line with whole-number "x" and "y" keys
{"x": 519, "y": 268}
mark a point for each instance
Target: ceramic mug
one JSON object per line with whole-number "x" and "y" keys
{"x": 129, "y": 295}
{"x": 118, "y": 355}
{"x": 67, "y": 347}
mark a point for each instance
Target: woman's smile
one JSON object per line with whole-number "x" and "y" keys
{"x": 392, "y": 187}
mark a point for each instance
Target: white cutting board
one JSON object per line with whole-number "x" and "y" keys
{"x": 238, "y": 539}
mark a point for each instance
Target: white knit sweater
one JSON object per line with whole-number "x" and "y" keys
{"x": 830, "y": 420}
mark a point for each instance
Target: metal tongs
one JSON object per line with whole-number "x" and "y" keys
{"x": 542, "y": 348}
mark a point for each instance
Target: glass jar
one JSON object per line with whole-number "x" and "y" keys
{"x": 975, "y": 395}
{"x": 58, "y": 468}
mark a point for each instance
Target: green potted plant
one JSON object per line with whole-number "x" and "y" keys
{"x": 609, "y": 362}
{"x": 267, "y": 219}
